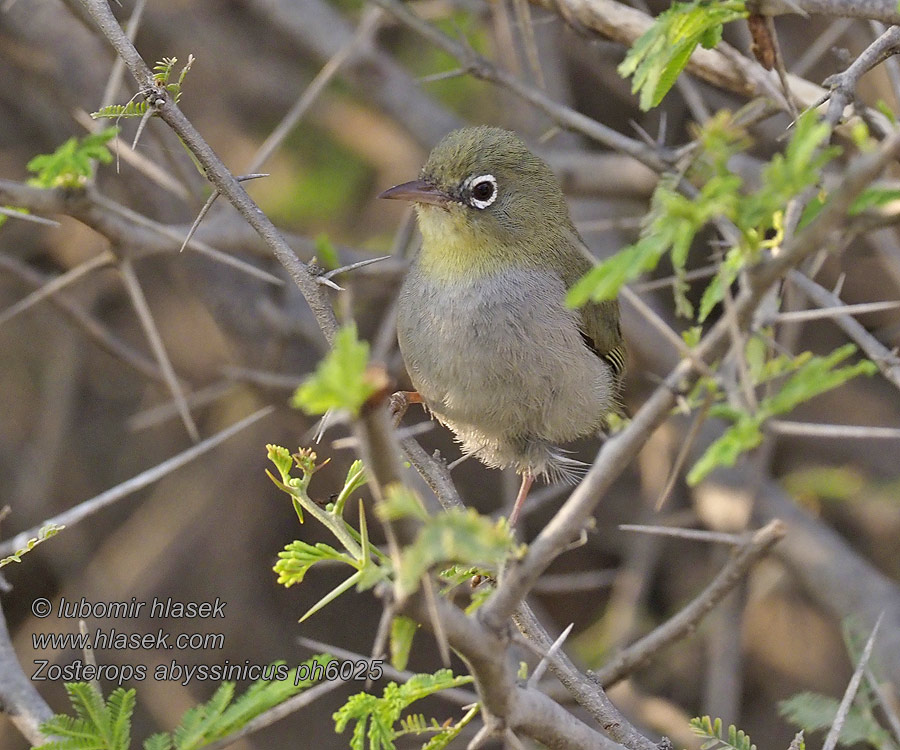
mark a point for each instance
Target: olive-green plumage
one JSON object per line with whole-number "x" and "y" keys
{"x": 482, "y": 325}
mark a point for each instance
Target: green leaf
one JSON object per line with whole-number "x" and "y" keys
{"x": 402, "y": 631}
{"x": 457, "y": 535}
{"x": 298, "y": 557}
{"x": 813, "y": 712}
{"x": 603, "y": 281}
{"x": 735, "y": 739}
{"x": 659, "y": 55}
{"x": 742, "y": 436}
{"x": 379, "y": 715}
{"x": 72, "y": 164}
{"x": 341, "y": 380}
{"x": 158, "y": 741}
{"x": 46, "y": 532}
{"x": 874, "y": 196}
{"x": 356, "y": 478}
{"x": 401, "y": 502}
{"x": 281, "y": 457}
{"x": 816, "y": 375}
{"x": 98, "y": 724}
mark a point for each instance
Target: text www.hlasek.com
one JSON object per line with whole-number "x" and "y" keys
{"x": 106, "y": 638}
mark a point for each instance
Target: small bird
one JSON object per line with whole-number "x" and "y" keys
{"x": 489, "y": 344}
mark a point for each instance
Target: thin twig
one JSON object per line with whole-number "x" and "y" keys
{"x": 834, "y": 732}
{"x": 56, "y": 284}
{"x": 366, "y": 30}
{"x": 139, "y": 302}
{"x": 888, "y": 363}
{"x": 830, "y": 312}
{"x": 837, "y": 431}
{"x": 686, "y": 620}
{"x": 14, "y": 214}
{"x": 216, "y": 171}
{"x": 204, "y": 210}
{"x": 91, "y": 327}
{"x": 87, "y": 508}
{"x": 559, "y": 113}
{"x": 700, "y": 535}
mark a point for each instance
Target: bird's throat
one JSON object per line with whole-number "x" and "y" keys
{"x": 454, "y": 249}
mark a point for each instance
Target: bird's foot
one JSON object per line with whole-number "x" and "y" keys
{"x": 400, "y": 402}
{"x": 527, "y": 480}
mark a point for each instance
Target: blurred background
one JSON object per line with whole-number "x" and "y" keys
{"x": 85, "y": 407}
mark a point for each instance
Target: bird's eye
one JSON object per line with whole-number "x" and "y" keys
{"x": 483, "y": 190}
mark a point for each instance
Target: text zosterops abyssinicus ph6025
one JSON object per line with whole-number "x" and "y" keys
{"x": 488, "y": 341}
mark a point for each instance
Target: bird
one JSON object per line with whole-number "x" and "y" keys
{"x": 490, "y": 346}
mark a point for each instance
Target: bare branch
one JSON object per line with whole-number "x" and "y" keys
{"x": 834, "y": 732}
{"x": 89, "y": 507}
{"x": 59, "y": 282}
{"x": 878, "y": 10}
{"x": 686, "y": 620}
{"x": 18, "y": 698}
{"x": 700, "y": 535}
{"x": 139, "y": 301}
{"x": 485, "y": 70}
{"x": 216, "y": 171}
{"x": 888, "y": 362}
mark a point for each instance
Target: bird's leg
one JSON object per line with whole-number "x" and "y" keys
{"x": 400, "y": 402}
{"x": 527, "y": 480}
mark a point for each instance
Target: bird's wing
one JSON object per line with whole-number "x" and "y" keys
{"x": 600, "y": 325}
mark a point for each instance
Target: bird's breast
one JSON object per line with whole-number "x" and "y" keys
{"x": 501, "y": 353}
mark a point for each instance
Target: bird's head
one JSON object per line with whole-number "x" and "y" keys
{"x": 484, "y": 200}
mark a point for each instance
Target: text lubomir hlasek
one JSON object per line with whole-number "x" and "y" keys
{"x": 160, "y": 608}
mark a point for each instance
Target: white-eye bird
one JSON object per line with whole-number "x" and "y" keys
{"x": 487, "y": 339}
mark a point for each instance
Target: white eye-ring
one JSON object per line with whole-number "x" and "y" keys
{"x": 482, "y": 190}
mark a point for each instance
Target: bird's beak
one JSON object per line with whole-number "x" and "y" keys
{"x": 417, "y": 191}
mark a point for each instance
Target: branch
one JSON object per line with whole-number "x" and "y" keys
{"x": 876, "y": 10}
{"x": 564, "y": 116}
{"x": 687, "y": 619}
{"x": 89, "y": 507}
{"x": 587, "y": 692}
{"x": 18, "y": 698}
{"x": 215, "y": 170}
{"x": 888, "y": 362}
{"x": 506, "y": 704}
{"x": 723, "y": 67}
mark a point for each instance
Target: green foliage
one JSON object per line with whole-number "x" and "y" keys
{"x": 824, "y": 483}
{"x": 106, "y": 725}
{"x": 675, "y": 219}
{"x": 813, "y": 713}
{"x": 162, "y": 72}
{"x": 810, "y": 376}
{"x": 375, "y": 718}
{"x": 72, "y": 164}
{"x": 298, "y": 557}
{"x": 660, "y": 54}
{"x": 46, "y": 531}
{"x": 711, "y": 731}
{"x": 460, "y": 536}
{"x": 874, "y": 196}
{"x": 341, "y": 381}
{"x": 97, "y": 724}
{"x": 403, "y": 629}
